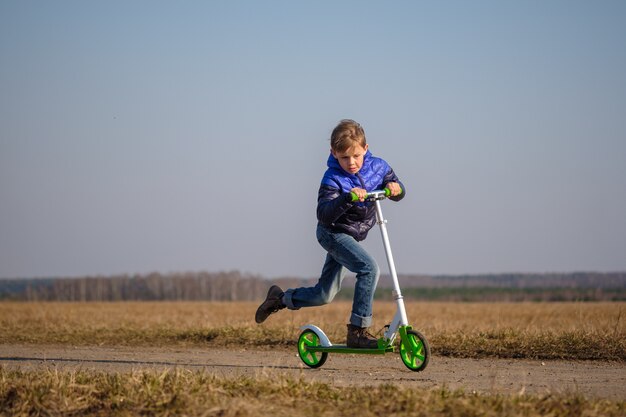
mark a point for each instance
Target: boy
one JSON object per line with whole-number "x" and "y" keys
{"x": 342, "y": 223}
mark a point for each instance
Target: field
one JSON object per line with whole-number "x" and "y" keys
{"x": 504, "y": 330}
{"x": 473, "y": 336}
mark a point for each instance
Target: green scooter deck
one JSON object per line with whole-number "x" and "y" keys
{"x": 346, "y": 349}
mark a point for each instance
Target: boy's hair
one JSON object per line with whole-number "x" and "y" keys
{"x": 347, "y": 134}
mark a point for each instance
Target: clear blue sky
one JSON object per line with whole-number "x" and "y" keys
{"x": 184, "y": 136}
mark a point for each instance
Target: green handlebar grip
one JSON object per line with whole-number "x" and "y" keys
{"x": 356, "y": 197}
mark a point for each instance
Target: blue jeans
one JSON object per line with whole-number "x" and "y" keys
{"x": 344, "y": 253}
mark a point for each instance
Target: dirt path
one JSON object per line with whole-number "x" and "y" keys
{"x": 594, "y": 379}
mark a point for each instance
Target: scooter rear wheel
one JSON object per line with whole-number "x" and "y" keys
{"x": 309, "y": 338}
{"x": 415, "y": 356}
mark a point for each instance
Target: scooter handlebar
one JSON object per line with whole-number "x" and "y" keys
{"x": 373, "y": 195}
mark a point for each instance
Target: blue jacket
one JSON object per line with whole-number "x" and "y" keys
{"x": 335, "y": 209}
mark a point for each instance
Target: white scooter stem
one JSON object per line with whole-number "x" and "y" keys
{"x": 400, "y": 319}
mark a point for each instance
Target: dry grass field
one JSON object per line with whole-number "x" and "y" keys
{"x": 581, "y": 331}
{"x": 585, "y": 331}
{"x": 168, "y": 393}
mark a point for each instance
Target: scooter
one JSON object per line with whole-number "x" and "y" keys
{"x": 314, "y": 346}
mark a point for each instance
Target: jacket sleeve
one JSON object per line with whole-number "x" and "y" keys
{"x": 331, "y": 204}
{"x": 392, "y": 177}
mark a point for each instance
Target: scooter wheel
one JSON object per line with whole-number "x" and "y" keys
{"x": 309, "y": 338}
{"x": 416, "y": 353}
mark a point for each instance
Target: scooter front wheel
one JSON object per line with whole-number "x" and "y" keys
{"x": 415, "y": 351}
{"x": 308, "y": 339}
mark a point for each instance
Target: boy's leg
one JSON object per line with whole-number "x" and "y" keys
{"x": 349, "y": 253}
{"x": 323, "y": 292}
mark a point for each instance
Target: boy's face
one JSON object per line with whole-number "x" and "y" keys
{"x": 351, "y": 160}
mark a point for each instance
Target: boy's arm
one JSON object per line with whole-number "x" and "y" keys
{"x": 392, "y": 177}
{"x": 331, "y": 204}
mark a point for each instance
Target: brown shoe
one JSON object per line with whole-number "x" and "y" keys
{"x": 359, "y": 337}
{"x": 273, "y": 303}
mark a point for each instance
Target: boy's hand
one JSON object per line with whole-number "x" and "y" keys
{"x": 360, "y": 192}
{"x": 394, "y": 188}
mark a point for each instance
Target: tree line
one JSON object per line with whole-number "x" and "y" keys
{"x": 222, "y": 286}
{"x": 236, "y": 286}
